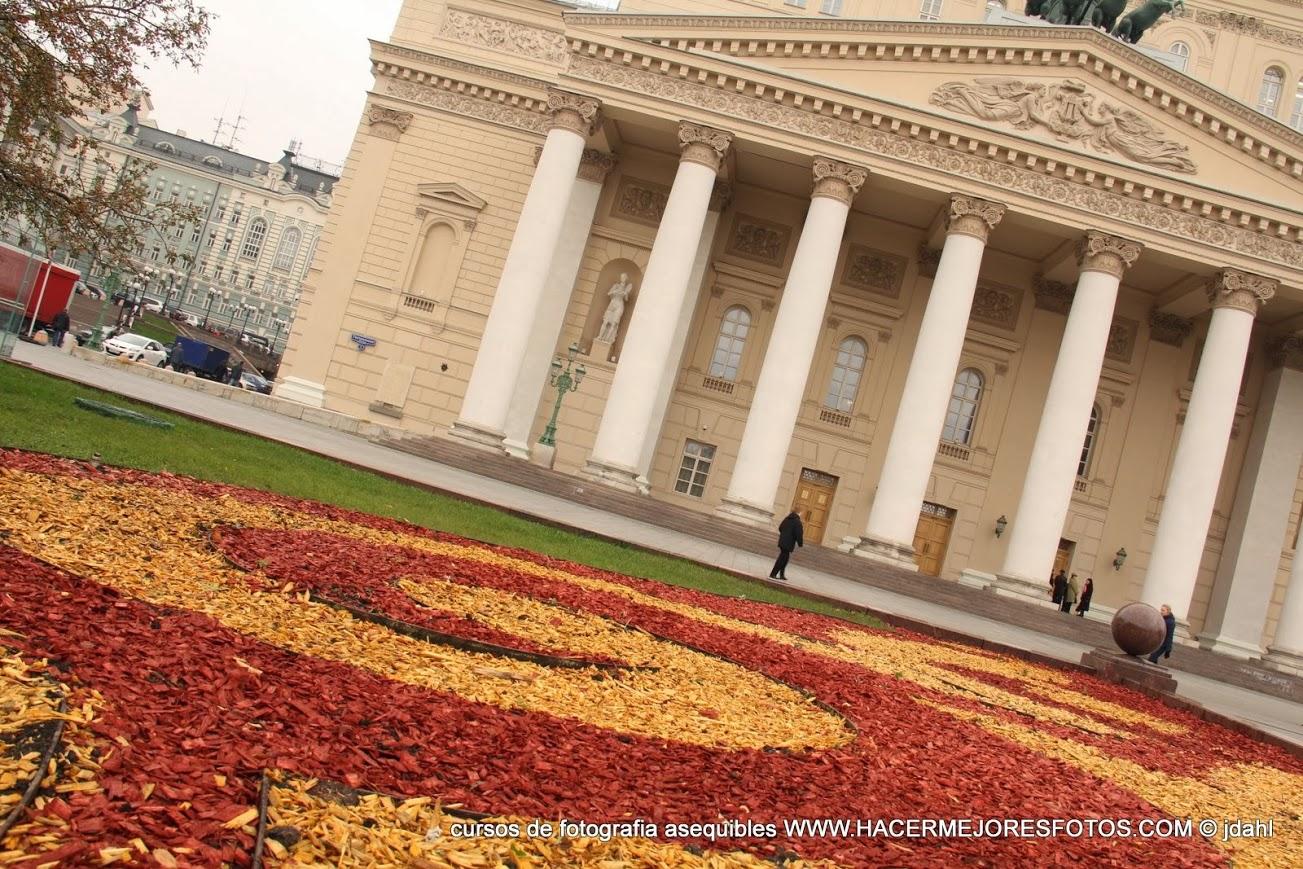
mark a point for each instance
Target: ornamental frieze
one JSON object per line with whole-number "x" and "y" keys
{"x": 1121, "y": 343}
{"x": 1247, "y": 24}
{"x": 493, "y": 112}
{"x": 640, "y": 201}
{"x": 874, "y": 270}
{"x": 996, "y": 173}
{"x": 759, "y": 240}
{"x": 1168, "y": 328}
{"x": 996, "y": 306}
{"x": 508, "y": 37}
{"x": 1068, "y": 111}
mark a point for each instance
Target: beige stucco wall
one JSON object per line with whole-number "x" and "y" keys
{"x": 367, "y": 251}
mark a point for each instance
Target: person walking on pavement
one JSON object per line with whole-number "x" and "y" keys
{"x": 59, "y": 327}
{"x": 1060, "y": 585}
{"x": 791, "y": 534}
{"x": 1166, "y": 649}
{"x": 1070, "y": 595}
{"x": 1083, "y": 604}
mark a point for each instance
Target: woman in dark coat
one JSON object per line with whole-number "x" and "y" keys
{"x": 1084, "y": 604}
{"x": 791, "y": 534}
{"x": 1166, "y": 649}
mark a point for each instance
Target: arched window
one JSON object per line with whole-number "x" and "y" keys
{"x": 846, "y": 371}
{"x": 312, "y": 252}
{"x": 1296, "y": 114}
{"x": 253, "y": 239}
{"x": 288, "y": 249}
{"x": 1088, "y": 447}
{"x": 432, "y": 263}
{"x": 1273, "y": 82}
{"x": 1181, "y": 50}
{"x": 962, "y": 413}
{"x": 732, "y": 338}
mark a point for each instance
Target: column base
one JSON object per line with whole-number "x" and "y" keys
{"x": 542, "y": 454}
{"x": 615, "y": 476}
{"x": 476, "y": 436}
{"x": 643, "y": 484}
{"x": 744, "y": 511}
{"x": 976, "y": 579}
{"x": 882, "y": 551}
{"x": 1232, "y": 648}
{"x": 1023, "y": 588}
{"x": 516, "y": 449}
{"x": 302, "y": 391}
{"x": 1285, "y": 660}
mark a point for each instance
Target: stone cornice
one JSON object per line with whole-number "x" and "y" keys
{"x": 1055, "y": 181}
{"x": 1095, "y": 53}
{"x": 429, "y": 58}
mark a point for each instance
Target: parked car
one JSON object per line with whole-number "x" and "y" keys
{"x": 121, "y": 297}
{"x": 191, "y": 320}
{"x": 254, "y": 383}
{"x": 83, "y": 337}
{"x": 153, "y": 306}
{"x": 137, "y": 348}
{"x": 82, "y": 288}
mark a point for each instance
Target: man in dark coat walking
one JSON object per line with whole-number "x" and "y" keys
{"x": 59, "y": 327}
{"x": 791, "y": 534}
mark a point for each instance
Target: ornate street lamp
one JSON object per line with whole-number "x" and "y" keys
{"x": 565, "y": 381}
{"x": 213, "y": 295}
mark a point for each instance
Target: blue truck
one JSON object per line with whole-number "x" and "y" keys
{"x": 202, "y": 359}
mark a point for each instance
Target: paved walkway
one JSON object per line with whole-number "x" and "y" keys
{"x": 1274, "y": 715}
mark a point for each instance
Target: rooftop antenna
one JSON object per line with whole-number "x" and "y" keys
{"x": 221, "y": 124}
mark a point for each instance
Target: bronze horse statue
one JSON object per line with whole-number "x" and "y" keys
{"x": 1134, "y": 24}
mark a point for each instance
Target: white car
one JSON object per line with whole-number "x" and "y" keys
{"x": 153, "y": 306}
{"x": 137, "y": 348}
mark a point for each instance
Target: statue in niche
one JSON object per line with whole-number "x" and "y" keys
{"x": 618, "y": 294}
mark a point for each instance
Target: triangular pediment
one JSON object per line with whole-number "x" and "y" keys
{"x": 446, "y": 194}
{"x": 1071, "y": 94}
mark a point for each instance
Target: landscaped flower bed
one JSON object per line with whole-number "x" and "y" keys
{"x": 211, "y": 636}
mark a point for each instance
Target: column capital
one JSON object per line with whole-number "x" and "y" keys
{"x": 837, "y": 180}
{"x": 1111, "y": 254}
{"x": 572, "y": 112}
{"x": 971, "y": 216}
{"x": 704, "y": 145}
{"x": 1286, "y": 352}
{"x": 1168, "y": 328}
{"x": 595, "y": 165}
{"x": 721, "y": 195}
{"x": 1232, "y": 288}
{"x": 387, "y": 123}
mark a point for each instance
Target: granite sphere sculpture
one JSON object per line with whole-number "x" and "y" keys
{"x": 1138, "y": 629}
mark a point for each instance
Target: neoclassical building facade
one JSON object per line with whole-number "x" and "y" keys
{"x": 978, "y": 297}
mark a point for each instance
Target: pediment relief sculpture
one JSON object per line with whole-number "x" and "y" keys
{"x": 1067, "y": 110}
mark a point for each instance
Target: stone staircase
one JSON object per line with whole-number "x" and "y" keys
{"x": 1023, "y": 614}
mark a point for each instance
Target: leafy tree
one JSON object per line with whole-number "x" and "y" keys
{"x": 59, "y": 58}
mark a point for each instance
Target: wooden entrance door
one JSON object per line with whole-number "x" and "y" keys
{"x": 814, "y": 491}
{"x": 1063, "y": 558}
{"x": 932, "y": 536}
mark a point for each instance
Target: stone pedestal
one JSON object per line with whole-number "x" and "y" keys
{"x": 542, "y": 454}
{"x": 1130, "y": 671}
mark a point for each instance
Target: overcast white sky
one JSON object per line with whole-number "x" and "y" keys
{"x": 296, "y": 69}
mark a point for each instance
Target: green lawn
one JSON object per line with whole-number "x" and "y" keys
{"x": 153, "y": 326}
{"x": 37, "y": 413}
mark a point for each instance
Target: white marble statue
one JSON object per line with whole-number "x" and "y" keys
{"x": 619, "y": 294}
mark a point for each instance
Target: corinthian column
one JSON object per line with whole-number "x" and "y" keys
{"x": 1065, "y": 416}
{"x": 626, "y": 420}
{"x": 1201, "y": 451}
{"x": 783, "y": 376}
{"x": 889, "y": 535}
{"x": 511, "y": 320}
{"x": 575, "y": 229}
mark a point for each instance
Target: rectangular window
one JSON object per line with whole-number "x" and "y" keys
{"x": 153, "y": 254}
{"x": 217, "y": 273}
{"x": 195, "y": 233}
{"x": 695, "y": 468}
{"x": 212, "y": 237}
{"x": 203, "y": 268}
{"x": 235, "y": 214}
{"x": 248, "y": 281}
{"x": 800, "y": 3}
{"x": 831, "y": 7}
{"x": 226, "y": 242}
{"x": 221, "y": 213}
{"x": 930, "y": 10}
{"x": 235, "y": 275}
{"x": 178, "y": 231}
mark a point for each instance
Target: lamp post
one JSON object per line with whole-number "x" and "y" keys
{"x": 97, "y": 334}
{"x": 171, "y": 290}
{"x": 278, "y": 324}
{"x": 212, "y": 297}
{"x": 564, "y": 381}
{"x": 248, "y": 309}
